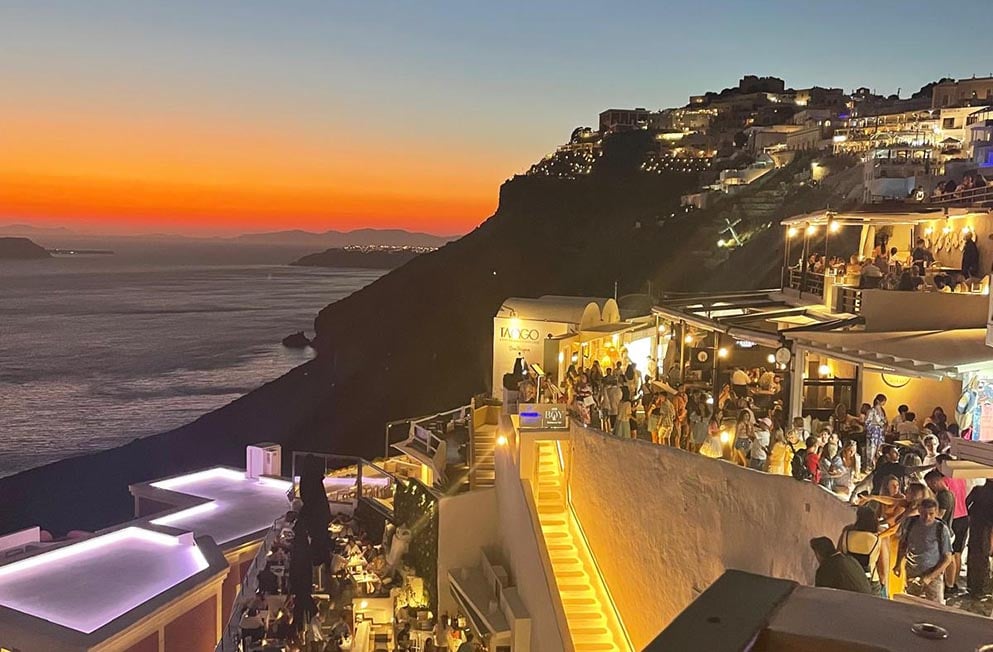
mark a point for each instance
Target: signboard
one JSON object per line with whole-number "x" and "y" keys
{"x": 544, "y": 416}
{"x": 514, "y": 337}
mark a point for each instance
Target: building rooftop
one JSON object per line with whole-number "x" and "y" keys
{"x": 87, "y": 584}
{"x": 220, "y": 503}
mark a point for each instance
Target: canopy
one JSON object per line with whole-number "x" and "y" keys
{"x": 949, "y": 353}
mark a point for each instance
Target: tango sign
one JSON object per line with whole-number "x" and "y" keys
{"x": 510, "y": 333}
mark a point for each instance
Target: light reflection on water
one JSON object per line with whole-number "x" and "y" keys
{"x": 95, "y": 352}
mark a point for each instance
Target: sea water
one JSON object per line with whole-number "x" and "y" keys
{"x": 96, "y": 351}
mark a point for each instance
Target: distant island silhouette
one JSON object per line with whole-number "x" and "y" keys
{"x": 21, "y": 249}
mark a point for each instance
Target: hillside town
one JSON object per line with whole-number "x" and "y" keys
{"x": 801, "y": 466}
{"x": 734, "y": 137}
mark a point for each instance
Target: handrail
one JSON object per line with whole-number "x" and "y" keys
{"x": 970, "y": 196}
{"x": 249, "y": 586}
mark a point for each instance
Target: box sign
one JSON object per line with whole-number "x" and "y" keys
{"x": 543, "y": 416}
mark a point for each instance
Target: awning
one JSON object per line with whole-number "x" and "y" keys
{"x": 915, "y": 353}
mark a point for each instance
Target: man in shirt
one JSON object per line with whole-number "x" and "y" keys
{"x": 960, "y": 526}
{"x": 921, "y": 256}
{"x": 900, "y": 417}
{"x": 759, "y": 448}
{"x": 837, "y": 570}
{"x": 926, "y": 545}
{"x": 908, "y": 429}
{"x": 739, "y": 382}
{"x": 813, "y": 460}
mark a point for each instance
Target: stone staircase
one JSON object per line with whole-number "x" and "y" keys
{"x": 592, "y": 622}
{"x": 483, "y": 472}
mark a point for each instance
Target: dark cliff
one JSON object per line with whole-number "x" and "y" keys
{"x": 418, "y": 339}
{"x": 21, "y": 249}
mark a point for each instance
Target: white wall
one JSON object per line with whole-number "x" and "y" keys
{"x": 520, "y": 548}
{"x": 664, "y": 524}
{"x": 466, "y": 524}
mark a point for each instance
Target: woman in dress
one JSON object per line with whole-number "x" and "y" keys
{"x": 875, "y": 427}
{"x": 622, "y": 428}
{"x": 780, "y": 454}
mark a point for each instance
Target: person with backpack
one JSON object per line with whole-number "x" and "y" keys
{"x": 926, "y": 545}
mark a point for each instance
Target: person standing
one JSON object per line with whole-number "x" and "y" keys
{"x": 960, "y": 531}
{"x": 667, "y": 420}
{"x": 980, "y": 504}
{"x": 970, "y": 258}
{"x": 739, "y": 382}
{"x": 875, "y": 427}
{"x": 613, "y": 394}
{"x": 622, "y": 426}
{"x": 758, "y": 453}
{"x": 926, "y": 545}
{"x": 780, "y": 454}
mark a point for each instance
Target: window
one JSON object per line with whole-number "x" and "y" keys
{"x": 971, "y": 120}
{"x": 948, "y": 123}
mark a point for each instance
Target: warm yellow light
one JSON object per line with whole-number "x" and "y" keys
{"x": 790, "y": 232}
{"x": 929, "y": 230}
{"x": 364, "y": 604}
{"x": 722, "y": 352}
{"x": 947, "y": 229}
{"x": 501, "y": 440}
{"x": 725, "y": 436}
{"x": 770, "y": 358}
{"x": 561, "y": 357}
{"x": 824, "y": 370}
{"x": 835, "y": 227}
{"x": 811, "y": 230}
{"x": 688, "y": 339}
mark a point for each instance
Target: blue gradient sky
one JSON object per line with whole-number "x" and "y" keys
{"x": 229, "y": 116}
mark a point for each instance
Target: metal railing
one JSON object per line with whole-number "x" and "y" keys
{"x": 971, "y": 197}
{"x": 231, "y": 636}
{"x": 811, "y": 282}
{"x": 849, "y": 299}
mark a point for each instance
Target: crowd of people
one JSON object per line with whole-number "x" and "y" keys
{"x": 888, "y": 269}
{"x": 914, "y": 518}
{"x": 951, "y": 187}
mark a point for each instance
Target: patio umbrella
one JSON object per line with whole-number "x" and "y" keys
{"x": 316, "y": 512}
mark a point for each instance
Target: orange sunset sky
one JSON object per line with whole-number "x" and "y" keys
{"x": 250, "y": 115}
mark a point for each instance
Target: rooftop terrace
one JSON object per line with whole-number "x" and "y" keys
{"x": 85, "y": 585}
{"x": 219, "y": 502}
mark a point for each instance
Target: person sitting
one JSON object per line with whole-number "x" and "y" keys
{"x": 871, "y": 275}
{"x": 251, "y": 625}
{"x": 836, "y": 570}
{"x": 908, "y": 428}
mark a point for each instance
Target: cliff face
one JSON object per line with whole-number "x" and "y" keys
{"x": 21, "y": 249}
{"x": 418, "y": 339}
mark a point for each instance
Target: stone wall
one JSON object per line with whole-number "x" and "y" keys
{"x": 663, "y": 524}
